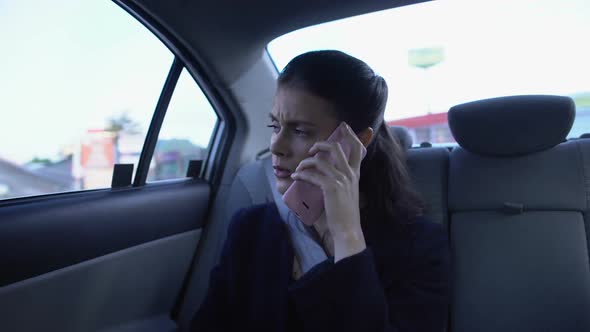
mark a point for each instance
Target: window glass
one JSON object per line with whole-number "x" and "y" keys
{"x": 79, "y": 83}
{"x": 422, "y": 134}
{"x": 438, "y": 54}
{"x": 186, "y": 131}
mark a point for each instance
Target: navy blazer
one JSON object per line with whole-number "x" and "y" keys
{"x": 399, "y": 283}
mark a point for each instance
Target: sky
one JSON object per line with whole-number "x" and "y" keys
{"x": 491, "y": 48}
{"x": 66, "y": 66}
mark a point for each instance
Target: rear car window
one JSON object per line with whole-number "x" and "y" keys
{"x": 438, "y": 54}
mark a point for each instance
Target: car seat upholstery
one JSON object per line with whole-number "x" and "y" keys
{"x": 428, "y": 169}
{"x": 402, "y": 135}
{"x": 518, "y": 203}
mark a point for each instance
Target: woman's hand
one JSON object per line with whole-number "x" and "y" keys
{"x": 340, "y": 185}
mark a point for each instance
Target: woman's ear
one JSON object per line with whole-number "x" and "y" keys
{"x": 365, "y": 136}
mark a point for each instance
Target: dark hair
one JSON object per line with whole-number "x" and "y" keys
{"x": 359, "y": 97}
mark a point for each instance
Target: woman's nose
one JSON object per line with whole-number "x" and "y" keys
{"x": 279, "y": 145}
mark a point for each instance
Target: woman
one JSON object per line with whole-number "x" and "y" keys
{"x": 371, "y": 262}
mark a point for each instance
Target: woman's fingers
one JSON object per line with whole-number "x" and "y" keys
{"x": 323, "y": 166}
{"x": 334, "y": 154}
{"x": 324, "y": 182}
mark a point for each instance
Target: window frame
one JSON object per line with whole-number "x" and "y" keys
{"x": 222, "y": 134}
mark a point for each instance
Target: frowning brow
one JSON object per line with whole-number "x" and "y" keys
{"x": 294, "y": 122}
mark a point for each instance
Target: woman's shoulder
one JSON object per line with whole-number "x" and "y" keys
{"x": 419, "y": 239}
{"x": 417, "y": 249}
{"x": 425, "y": 230}
{"x": 430, "y": 252}
{"x": 419, "y": 229}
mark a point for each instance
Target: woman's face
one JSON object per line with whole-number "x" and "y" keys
{"x": 298, "y": 119}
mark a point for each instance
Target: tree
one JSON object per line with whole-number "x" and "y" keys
{"x": 118, "y": 124}
{"x": 122, "y": 123}
{"x": 42, "y": 161}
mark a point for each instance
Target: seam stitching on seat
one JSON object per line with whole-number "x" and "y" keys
{"x": 585, "y": 158}
{"x": 250, "y": 194}
{"x": 586, "y": 172}
{"x": 250, "y": 191}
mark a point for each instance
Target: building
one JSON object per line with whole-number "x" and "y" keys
{"x": 18, "y": 181}
{"x": 434, "y": 128}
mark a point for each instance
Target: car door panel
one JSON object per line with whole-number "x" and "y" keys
{"x": 98, "y": 260}
{"x": 47, "y": 234}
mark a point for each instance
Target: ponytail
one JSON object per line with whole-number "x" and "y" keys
{"x": 385, "y": 182}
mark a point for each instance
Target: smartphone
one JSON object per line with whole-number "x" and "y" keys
{"x": 306, "y": 200}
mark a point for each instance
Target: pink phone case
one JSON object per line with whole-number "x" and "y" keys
{"x": 307, "y": 200}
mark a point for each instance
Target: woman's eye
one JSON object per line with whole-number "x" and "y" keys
{"x": 300, "y": 132}
{"x": 275, "y": 128}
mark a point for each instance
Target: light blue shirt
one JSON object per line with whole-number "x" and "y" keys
{"x": 305, "y": 239}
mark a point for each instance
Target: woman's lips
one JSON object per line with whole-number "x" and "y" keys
{"x": 282, "y": 173}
